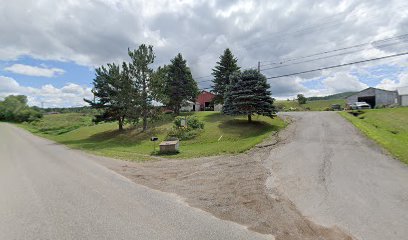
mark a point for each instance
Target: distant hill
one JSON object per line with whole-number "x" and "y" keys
{"x": 332, "y": 97}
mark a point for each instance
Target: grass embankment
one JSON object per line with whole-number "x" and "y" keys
{"x": 317, "y": 105}
{"x": 388, "y": 127}
{"x": 77, "y": 131}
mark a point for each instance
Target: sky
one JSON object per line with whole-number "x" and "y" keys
{"x": 49, "y": 48}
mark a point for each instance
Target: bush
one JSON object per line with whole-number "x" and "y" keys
{"x": 193, "y": 128}
{"x": 192, "y": 122}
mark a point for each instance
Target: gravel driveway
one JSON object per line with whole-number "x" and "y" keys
{"x": 336, "y": 176}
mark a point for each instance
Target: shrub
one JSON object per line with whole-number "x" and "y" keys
{"x": 192, "y": 122}
{"x": 193, "y": 128}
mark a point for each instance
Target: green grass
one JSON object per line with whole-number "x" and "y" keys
{"x": 57, "y": 124}
{"x": 388, "y": 127}
{"x": 132, "y": 144}
{"x": 317, "y": 105}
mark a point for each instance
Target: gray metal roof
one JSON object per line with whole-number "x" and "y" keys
{"x": 402, "y": 91}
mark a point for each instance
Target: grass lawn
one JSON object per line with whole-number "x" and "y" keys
{"x": 77, "y": 131}
{"x": 388, "y": 127}
{"x": 317, "y": 105}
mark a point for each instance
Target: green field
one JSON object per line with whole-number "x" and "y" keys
{"x": 221, "y": 135}
{"x": 317, "y": 105}
{"x": 388, "y": 127}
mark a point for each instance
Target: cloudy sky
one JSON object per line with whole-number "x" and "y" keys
{"x": 49, "y": 48}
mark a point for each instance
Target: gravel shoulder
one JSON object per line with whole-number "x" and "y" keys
{"x": 231, "y": 188}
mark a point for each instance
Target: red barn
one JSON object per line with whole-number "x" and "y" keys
{"x": 205, "y": 99}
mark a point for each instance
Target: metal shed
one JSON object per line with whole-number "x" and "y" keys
{"x": 374, "y": 97}
{"x": 403, "y": 96}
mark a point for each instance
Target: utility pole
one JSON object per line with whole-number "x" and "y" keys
{"x": 259, "y": 66}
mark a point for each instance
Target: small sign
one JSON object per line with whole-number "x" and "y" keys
{"x": 183, "y": 122}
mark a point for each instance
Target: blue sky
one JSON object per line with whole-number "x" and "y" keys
{"x": 74, "y": 73}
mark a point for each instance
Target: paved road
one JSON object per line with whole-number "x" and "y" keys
{"x": 336, "y": 176}
{"x": 50, "y": 192}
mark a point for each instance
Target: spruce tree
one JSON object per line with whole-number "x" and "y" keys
{"x": 248, "y": 94}
{"x": 226, "y": 66}
{"x": 179, "y": 84}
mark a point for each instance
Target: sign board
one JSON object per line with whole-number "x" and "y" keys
{"x": 183, "y": 122}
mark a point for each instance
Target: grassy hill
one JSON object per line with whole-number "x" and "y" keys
{"x": 318, "y": 105}
{"x": 221, "y": 135}
{"x": 343, "y": 95}
{"x": 388, "y": 127}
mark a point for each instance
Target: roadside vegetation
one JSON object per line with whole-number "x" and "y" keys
{"x": 315, "y": 105}
{"x": 14, "y": 108}
{"x": 221, "y": 134}
{"x": 387, "y": 126}
{"x": 57, "y": 124}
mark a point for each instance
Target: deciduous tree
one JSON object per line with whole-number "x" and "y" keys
{"x": 301, "y": 99}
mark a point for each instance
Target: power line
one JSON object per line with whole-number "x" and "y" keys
{"x": 330, "y": 56}
{"x": 340, "y": 65}
{"x": 335, "y": 50}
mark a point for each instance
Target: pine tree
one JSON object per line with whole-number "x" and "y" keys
{"x": 179, "y": 84}
{"x": 248, "y": 94}
{"x": 115, "y": 94}
{"x": 141, "y": 74}
{"x": 226, "y": 66}
{"x": 158, "y": 84}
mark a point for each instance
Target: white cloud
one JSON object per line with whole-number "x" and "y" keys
{"x": 70, "y": 95}
{"x": 343, "y": 82}
{"x": 392, "y": 85}
{"x": 34, "y": 71}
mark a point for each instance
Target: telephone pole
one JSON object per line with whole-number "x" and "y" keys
{"x": 259, "y": 66}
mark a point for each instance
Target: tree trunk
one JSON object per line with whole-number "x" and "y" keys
{"x": 249, "y": 118}
{"x": 120, "y": 124}
{"x": 176, "y": 110}
{"x": 144, "y": 121}
{"x": 145, "y": 104}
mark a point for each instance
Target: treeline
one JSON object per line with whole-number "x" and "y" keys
{"x": 125, "y": 92}
{"x": 14, "y": 108}
{"x": 84, "y": 110}
{"x": 343, "y": 95}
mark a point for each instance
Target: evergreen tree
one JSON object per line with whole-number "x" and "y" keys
{"x": 141, "y": 74}
{"x": 179, "y": 84}
{"x": 114, "y": 94}
{"x": 248, "y": 94}
{"x": 226, "y": 66}
{"x": 158, "y": 84}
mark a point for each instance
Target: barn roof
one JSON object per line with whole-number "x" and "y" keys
{"x": 403, "y": 91}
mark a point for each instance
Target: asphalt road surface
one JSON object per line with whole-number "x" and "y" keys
{"x": 335, "y": 176}
{"x": 50, "y": 192}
